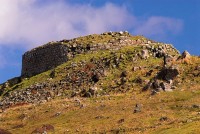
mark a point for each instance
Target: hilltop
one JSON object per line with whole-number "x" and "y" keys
{"x": 128, "y": 83}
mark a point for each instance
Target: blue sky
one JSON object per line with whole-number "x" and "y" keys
{"x": 26, "y": 24}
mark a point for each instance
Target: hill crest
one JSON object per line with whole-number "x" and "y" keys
{"x": 95, "y": 65}
{"x": 52, "y": 54}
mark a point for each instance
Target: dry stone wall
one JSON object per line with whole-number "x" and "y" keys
{"x": 42, "y": 59}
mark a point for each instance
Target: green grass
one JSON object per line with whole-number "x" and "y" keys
{"x": 189, "y": 128}
{"x": 102, "y": 114}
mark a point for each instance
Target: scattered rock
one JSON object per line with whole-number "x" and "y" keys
{"x": 168, "y": 73}
{"x": 57, "y": 114}
{"x": 138, "y": 80}
{"x": 120, "y": 121}
{"x": 124, "y": 74}
{"x": 155, "y": 84}
{"x": 77, "y": 102}
{"x": 166, "y": 87}
{"x": 197, "y": 68}
{"x": 158, "y": 86}
{"x": 121, "y": 32}
{"x": 196, "y": 106}
{"x": 149, "y": 73}
{"x": 95, "y": 78}
{"x": 99, "y": 117}
{"x": 185, "y": 55}
{"x": 137, "y": 108}
{"x": 164, "y": 118}
{"x": 43, "y": 129}
{"x": 153, "y": 92}
{"x": 18, "y": 126}
{"x": 81, "y": 76}
{"x": 147, "y": 86}
{"x": 135, "y": 68}
{"x": 168, "y": 59}
{"x": 123, "y": 80}
{"x": 144, "y": 54}
{"x": 93, "y": 90}
{"x": 22, "y": 116}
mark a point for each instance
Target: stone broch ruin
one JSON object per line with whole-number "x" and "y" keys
{"x": 52, "y": 54}
{"x": 81, "y": 79}
{"x": 43, "y": 58}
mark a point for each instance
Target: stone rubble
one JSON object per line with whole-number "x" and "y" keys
{"x": 163, "y": 81}
{"x": 83, "y": 76}
{"x": 52, "y": 54}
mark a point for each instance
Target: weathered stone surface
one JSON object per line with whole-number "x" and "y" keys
{"x": 43, "y": 58}
{"x": 166, "y": 86}
{"x": 137, "y": 108}
{"x": 185, "y": 55}
{"x": 168, "y": 59}
{"x": 144, "y": 54}
{"x": 168, "y": 73}
{"x": 198, "y": 68}
{"x": 163, "y": 81}
{"x": 164, "y": 118}
{"x": 80, "y": 82}
{"x": 43, "y": 129}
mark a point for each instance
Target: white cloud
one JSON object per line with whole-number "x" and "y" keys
{"x": 30, "y": 24}
{"x": 26, "y": 21}
{"x": 157, "y": 25}
{"x": 25, "y": 24}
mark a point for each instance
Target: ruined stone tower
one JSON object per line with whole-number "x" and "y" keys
{"x": 43, "y": 58}
{"x": 52, "y": 54}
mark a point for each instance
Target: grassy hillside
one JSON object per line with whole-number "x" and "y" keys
{"x": 167, "y": 112}
{"x": 102, "y": 91}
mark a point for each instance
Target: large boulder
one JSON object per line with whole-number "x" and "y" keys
{"x": 168, "y": 60}
{"x": 168, "y": 73}
{"x": 43, "y": 129}
{"x": 166, "y": 86}
{"x": 185, "y": 55}
{"x": 144, "y": 54}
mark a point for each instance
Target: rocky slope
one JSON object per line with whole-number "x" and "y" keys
{"x": 116, "y": 63}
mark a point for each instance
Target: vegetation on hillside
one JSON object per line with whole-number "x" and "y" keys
{"x": 101, "y": 92}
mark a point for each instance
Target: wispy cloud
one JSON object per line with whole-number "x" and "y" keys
{"x": 29, "y": 23}
{"x": 158, "y": 25}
